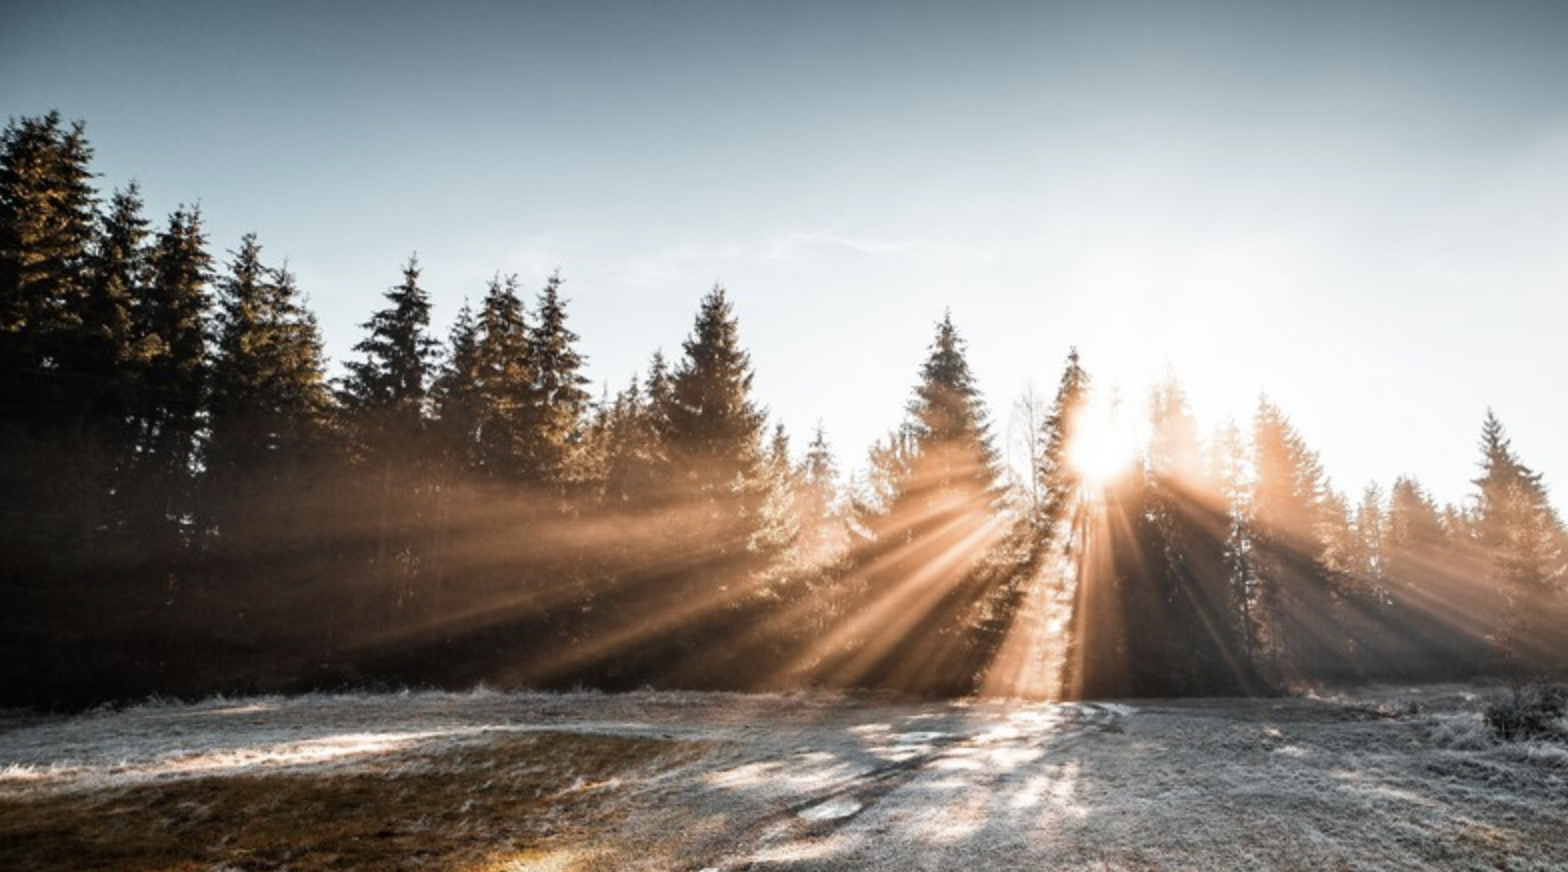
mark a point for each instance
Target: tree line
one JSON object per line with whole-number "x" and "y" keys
{"x": 191, "y": 504}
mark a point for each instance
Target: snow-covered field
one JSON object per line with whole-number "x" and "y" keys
{"x": 1386, "y": 779}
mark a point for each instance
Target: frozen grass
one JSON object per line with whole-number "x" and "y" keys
{"x": 1390, "y": 778}
{"x": 479, "y": 807}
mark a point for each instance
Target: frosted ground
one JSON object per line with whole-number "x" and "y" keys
{"x": 1386, "y": 779}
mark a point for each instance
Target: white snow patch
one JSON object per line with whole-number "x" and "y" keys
{"x": 918, "y": 738}
{"x": 832, "y": 810}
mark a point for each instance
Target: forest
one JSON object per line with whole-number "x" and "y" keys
{"x": 190, "y": 503}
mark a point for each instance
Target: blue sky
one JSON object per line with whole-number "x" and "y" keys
{"x": 1359, "y": 208}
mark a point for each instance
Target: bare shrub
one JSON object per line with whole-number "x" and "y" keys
{"x": 1533, "y": 711}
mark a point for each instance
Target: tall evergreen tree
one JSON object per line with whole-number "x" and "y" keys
{"x": 269, "y": 399}
{"x": 117, "y": 280}
{"x": 1227, "y": 481}
{"x": 61, "y": 434}
{"x": 559, "y": 387}
{"x": 1366, "y": 560}
{"x": 1059, "y": 481}
{"x": 1184, "y": 634}
{"x": 1524, "y": 540}
{"x": 818, "y": 503}
{"x": 637, "y": 462}
{"x": 508, "y": 388}
{"x": 170, "y": 365}
{"x": 1291, "y": 512}
{"x": 946, "y": 466}
{"x": 386, "y": 392}
{"x": 47, "y": 226}
{"x": 459, "y": 406}
{"x": 928, "y": 516}
{"x": 713, "y": 428}
{"x": 386, "y": 400}
{"x": 659, "y": 388}
{"x": 779, "y": 520}
{"x": 1434, "y": 626}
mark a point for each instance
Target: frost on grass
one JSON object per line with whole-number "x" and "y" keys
{"x": 503, "y": 804}
{"x": 1391, "y": 778}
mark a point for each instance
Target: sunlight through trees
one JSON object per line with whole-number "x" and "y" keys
{"x": 190, "y": 505}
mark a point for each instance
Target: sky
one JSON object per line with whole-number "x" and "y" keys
{"x": 1359, "y": 209}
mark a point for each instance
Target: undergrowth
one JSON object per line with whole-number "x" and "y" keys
{"x": 1532, "y": 711}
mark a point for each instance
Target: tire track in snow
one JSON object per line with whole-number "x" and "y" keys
{"x": 822, "y": 811}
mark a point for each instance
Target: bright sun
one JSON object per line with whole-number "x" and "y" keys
{"x": 1103, "y": 447}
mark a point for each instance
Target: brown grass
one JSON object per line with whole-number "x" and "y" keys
{"x": 518, "y": 802}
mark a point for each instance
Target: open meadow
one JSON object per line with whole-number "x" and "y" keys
{"x": 1388, "y": 778}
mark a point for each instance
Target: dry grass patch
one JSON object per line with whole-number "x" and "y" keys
{"x": 522, "y": 796}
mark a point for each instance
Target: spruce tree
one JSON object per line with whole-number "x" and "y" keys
{"x": 559, "y": 387}
{"x": 1430, "y": 599}
{"x": 1524, "y": 541}
{"x": 636, "y": 460}
{"x": 1058, "y": 480}
{"x": 929, "y": 515}
{"x": 1291, "y": 515}
{"x": 823, "y": 534}
{"x": 269, "y": 399}
{"x": 48, "y": 221}
{"x": 1226, "y": 482}
{"x": 713, "y": 428}
{"x": 1185, "y": 635}
{"x": 949, "y": 467}
{"x": 386, "y": 391}
{"x": 386, "y": 400}
{"x": 508, "y": 388}
{"x": 117, "y": 280}
{"x": 948, "y": 413}
{"x": 779, "y": 520}
{"x": 659, "y": 389}
{"x": 459, "y": 407}
{"x": 169, "y": 361}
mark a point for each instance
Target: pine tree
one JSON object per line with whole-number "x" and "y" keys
{"x": 952, "y": 468}
{"x": 117, "y": 280}
{"x": 1291, "y": 512}
{"x": 1173, "y": 441}
{"x": 47, "y": 227}
{"x": 779, "y": 520}
{"x": 643, "y": 470}
{"x": 1226, "y": 479}
{"x": 1059, "y": 481}
{"x": 508, "y": 389}
{"x": 1432, "y": 600}
{"x": 169, "y": 361}
{"x": 1184, "y": 633}
{"x": 659, "y": 388}
{"x": 99, "y": 360}
{"x": 940, "y": 464}
{"x": 713, "y": 429}
{"x": 559, "y": 387}
{"x": 386, "y": 399}
{"x": 269, "y": 399}
{"x": 1366, "y": 562}
{"x": 62, "y": 433}
{"x": 949, "y": 419}
{"x": 386, "y": 392}
{"x": 1524, "y": 539}
{"x": 459, "y": 406}
{"x": 818, "y": 505}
